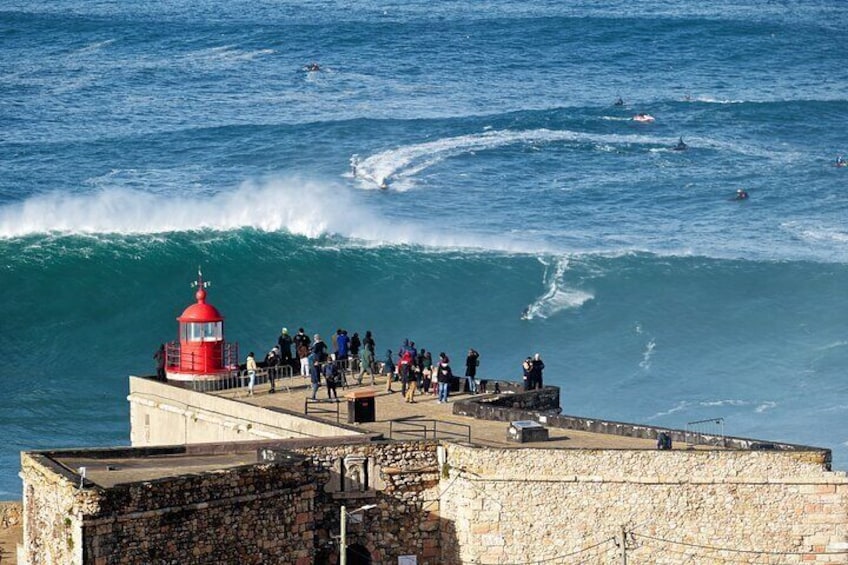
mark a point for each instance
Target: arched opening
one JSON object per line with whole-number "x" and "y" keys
{"x": 358, "y": 555}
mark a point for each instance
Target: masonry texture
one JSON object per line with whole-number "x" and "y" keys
{"x": 443, "y": 501}
{"x": 285, "y": 512}
{"x": 536, "y": 505}
{"x": 247, "y": 514}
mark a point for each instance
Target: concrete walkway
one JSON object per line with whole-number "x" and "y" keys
{"x": 425, "y": 411}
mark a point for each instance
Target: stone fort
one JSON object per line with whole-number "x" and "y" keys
{"x": 220, "y": 477}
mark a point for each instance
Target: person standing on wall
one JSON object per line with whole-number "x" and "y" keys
{"x": 471, "y": 364}
{"x": 537, "y": 367}
{"x": 527, "y": 367}
{"x": 250, "y": 366}
{"x": 272, "y": 362}
{"x": 159, "y": 357}
{"x": 285, "y": 343}
{"x": 444, "y": 376}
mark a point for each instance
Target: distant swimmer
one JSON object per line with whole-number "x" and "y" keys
{"x": 681, "y": 146}
{"x": 642, "y": 117}
{"x": 840, "y": 161}
{"x": 619, "y": 101}
{"x": 741, "y": 194}
{"x": 312, "y": 67}
{"x": 354, "y": 162}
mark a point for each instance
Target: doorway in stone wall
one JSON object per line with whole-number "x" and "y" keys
{"x": 358, "y": 555}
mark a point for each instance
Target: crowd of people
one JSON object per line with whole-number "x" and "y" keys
{"x": 414, "y": 369}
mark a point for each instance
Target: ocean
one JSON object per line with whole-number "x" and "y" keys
{"x": 524, "y": 211}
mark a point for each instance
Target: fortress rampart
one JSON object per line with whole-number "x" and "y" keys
{"x": 440, "y": 501}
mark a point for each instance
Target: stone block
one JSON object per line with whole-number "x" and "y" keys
{"x": 524, "y": 431}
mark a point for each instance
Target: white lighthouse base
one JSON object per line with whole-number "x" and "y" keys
{"x": 187, "y": 377}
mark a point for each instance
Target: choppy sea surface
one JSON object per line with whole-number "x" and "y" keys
{"x": 525, "y": 211}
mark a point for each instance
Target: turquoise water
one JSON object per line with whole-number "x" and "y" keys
{"x": 525, "y": 211}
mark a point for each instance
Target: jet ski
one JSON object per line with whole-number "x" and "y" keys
{"x": 644, "y": 118}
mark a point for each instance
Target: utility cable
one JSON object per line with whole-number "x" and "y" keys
{"x": 731, "y": 550}
{"x": 558, "y": 557}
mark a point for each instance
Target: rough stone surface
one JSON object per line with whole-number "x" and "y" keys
{"x": 261, "y": 513}
{"x": 536, "y": 505}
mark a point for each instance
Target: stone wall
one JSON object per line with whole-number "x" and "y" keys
{"x": 285, "y": 509}
{"x": 405, "y": 488}
{"x": 11, "y": 514}
{"x": 543, "y": 406}
{"x": 247, "y": 514}
{"x": 52, "y": 509}
{"x": 537, "y": 505}
{"x": 163, "y": 414}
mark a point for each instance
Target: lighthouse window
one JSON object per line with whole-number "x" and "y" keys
{"x": 212, "y": 331}
{"x": 203, "y": 331}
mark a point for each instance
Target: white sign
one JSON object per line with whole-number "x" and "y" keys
{"x": 407, "y": 560}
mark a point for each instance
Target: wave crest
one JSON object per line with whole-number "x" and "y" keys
{"x": 301, "y": 207}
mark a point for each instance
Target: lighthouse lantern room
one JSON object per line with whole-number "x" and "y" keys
{"x": 200, "y": 353}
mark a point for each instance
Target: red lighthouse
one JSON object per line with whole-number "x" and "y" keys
{"x": 200, "y": 353}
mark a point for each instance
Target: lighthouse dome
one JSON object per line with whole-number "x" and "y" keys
{"x": 201, "y": 311}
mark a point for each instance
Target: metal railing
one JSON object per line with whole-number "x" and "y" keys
{"x": 238, "y": 379}
{"x": 284, "y": 377}
{"x": 705, "y": 432}
{"x": 428, "y": 429}
{"x": 224, "y": 354}
{"x": 322, "y": 407}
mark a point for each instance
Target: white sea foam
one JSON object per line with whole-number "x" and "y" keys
{"x": 557, "y": 296}
{"x": 816, "y": 233}
{"x": 398, "y": 166}
{"x": 759, "y": 406}
{"x": 724, "y": 403}
{"x": 646, "y": 355}
{"x": 322, "y": 209}
{"x": 712, "y": 100}
{"x": 224, "y": 54}
{"x": 765, "y": 406}
{"x": 682, "y": 405}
